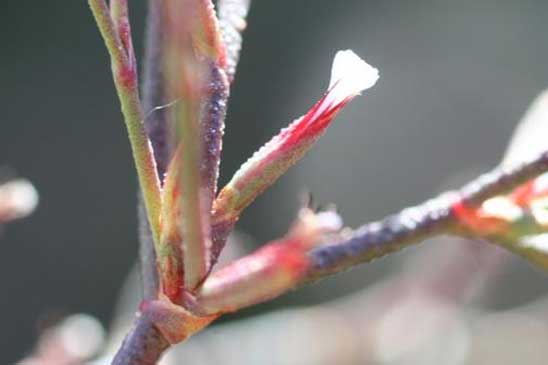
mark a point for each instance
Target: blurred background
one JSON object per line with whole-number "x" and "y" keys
{"x": 456, "y": 77}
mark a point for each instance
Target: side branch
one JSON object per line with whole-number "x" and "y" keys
{"x": 157, "y": 129}
{"x": 155, "y": 103}
{"x": 412, "y": 225}
{"x": 125, "y": 80}
{"x": 374, "y": 240}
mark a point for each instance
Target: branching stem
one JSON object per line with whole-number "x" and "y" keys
{"x": 412, "y": 225}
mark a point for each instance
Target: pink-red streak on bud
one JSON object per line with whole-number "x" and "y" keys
{"x": 349, "y": 77}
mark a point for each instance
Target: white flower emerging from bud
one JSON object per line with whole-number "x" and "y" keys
{"x": 350, "y": 75}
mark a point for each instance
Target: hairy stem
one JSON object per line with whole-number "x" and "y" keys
{"x": 412, "y": 225}
{"x": 415, "y": 224}
{"x": 228, "y": 289}
{"x": 125, "y": 80}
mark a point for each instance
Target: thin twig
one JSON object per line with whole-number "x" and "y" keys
{"x": 157, "y": 129}
{"x": 144, "y": 345}
{"x": 153, "y": 90}
{"x": 213, "y": 113}
{"x": 412, "y": 225}
{"x": 147, "y": 254}
{"x": 415, "y": 224}
{"x": 125, "y": 80}
{"x": 232, "y": 15}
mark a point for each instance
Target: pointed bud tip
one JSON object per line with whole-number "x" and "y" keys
{"x": 350, "y": 75}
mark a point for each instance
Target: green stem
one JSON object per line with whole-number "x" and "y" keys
{"x": 125, "y": 81}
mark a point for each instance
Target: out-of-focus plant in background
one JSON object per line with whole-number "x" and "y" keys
{"x": 18, "y": 199}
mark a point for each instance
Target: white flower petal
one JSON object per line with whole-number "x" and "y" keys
{"x": 350, "y": 75}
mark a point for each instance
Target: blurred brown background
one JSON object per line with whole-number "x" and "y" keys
{"x": 456, "y": 76}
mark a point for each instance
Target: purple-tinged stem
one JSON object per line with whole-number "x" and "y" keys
{"x": 157, "y": 129}
{"x": 219, "y": 235}
{"x": 215, "y": 98}
{"x": 412, "y": 225}
{"x": 235, "y": 287}
{"x": 147, "y": 254}
{"x": 374, "y": 240}
{"x": 144, "y": 345}
{"x": 213, "y": 116}
{"x": 378, "y": 239}
{"x": 213, "y": 113}
{"x": 153, "y": 90}
{"x": 232, "y": 15}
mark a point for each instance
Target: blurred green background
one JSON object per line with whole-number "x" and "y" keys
{"x": 456, "y": 76}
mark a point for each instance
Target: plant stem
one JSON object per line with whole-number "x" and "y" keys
{"x": 233, "y": 288}
{"x": 187, "y": 77}
{"x": 153, "y": 89}
{"x": 125, "y": 80}
{"x": 415, "y": 224}
{"x": 157, "y": 128}
{"x": 144, "y": 345}
{"x": 232, "y": 22}
{"x": 408, "y": 227}
{"x": 147, "y": 254}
